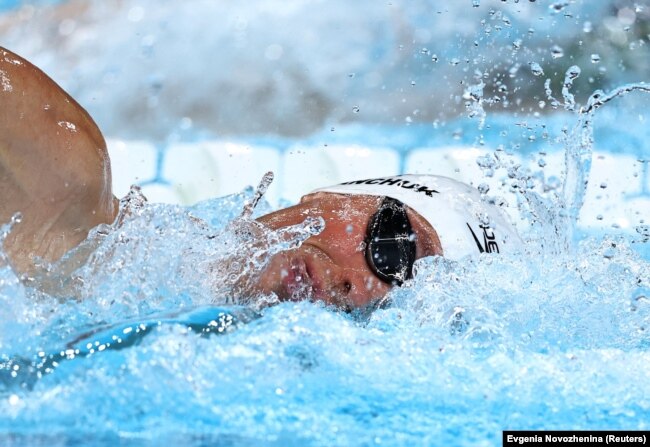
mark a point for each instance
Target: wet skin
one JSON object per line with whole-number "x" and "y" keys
{"x": 331, "y": 266}
{"x": 54, "y": 166}
{"x": 55, "y": 170}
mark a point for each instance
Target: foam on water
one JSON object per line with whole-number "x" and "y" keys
{"x": 124, "y": 346}
{"x": 554, "y": 336}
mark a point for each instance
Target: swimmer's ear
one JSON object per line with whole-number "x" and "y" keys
{"x": 54, "y": 166}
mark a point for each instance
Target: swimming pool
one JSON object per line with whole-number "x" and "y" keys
{"x": 159, "y": 351}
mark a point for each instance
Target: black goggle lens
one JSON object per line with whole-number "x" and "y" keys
{"x": 390, "y": 245}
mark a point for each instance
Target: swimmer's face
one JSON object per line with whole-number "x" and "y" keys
{"x": 331, "y": 266}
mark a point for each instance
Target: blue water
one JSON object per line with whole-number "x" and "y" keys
{"x": 151, "y": 343}
{"x": 552, "y": 338}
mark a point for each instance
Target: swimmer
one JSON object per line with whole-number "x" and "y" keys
{"x": 55, "y": 171}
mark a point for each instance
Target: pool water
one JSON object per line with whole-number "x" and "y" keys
{"x": 552, "y": 338}
{"x": 149, "y": 342}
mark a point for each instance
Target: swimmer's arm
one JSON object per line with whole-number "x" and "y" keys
{"x": 54, "y": 166}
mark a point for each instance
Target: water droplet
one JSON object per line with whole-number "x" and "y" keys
{"x": 603, "y": 185}
{"x": 556, "y": 52}
{"x": 483, "y": 188}
{"x": 67, "y": 27}
{"x": 512, "y": 72}
{"x": 541, "y": 162}
{"x": 355, "y": 109}
{"x": 517, "y": 44}
{"x": 136, "y": 14}
{"x": 609, "y": 252}
{"x": 536, "y": 69}
{"x": 351, "y": 75}
{"x": 558, "y": 6}
{"x": 595, "y": 58}
{"x": 484, "y": 218}
{"x": 434, "y": 58}
{"x": 643, "y": 230}
{"x": 587, "y": 27}
{"x": 626, "y": 16}
{"x": 349, "y": 229}
{"x": 476, "y": 3}
{"x": 486, "y": 162}
{"x": 573, "y": 72}
{"x": 68, "y": 126}
{"x": 454, "y": 61}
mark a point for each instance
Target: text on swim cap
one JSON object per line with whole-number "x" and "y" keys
{"x": 395, "y": 181}
{"x": 489, "y": 239}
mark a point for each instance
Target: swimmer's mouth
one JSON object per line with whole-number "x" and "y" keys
{"x": 300, "y": 282}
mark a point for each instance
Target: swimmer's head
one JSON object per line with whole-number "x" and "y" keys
{"x": 375, "y": 229}
{"x": 333, "y": 266}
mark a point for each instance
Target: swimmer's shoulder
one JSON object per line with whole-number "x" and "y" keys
{"x": 54, "y": 166}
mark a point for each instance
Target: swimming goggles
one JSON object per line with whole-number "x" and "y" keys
{"x": 390, "y": 243}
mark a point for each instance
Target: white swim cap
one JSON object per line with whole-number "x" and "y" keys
{"x": 466, "y": 225}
